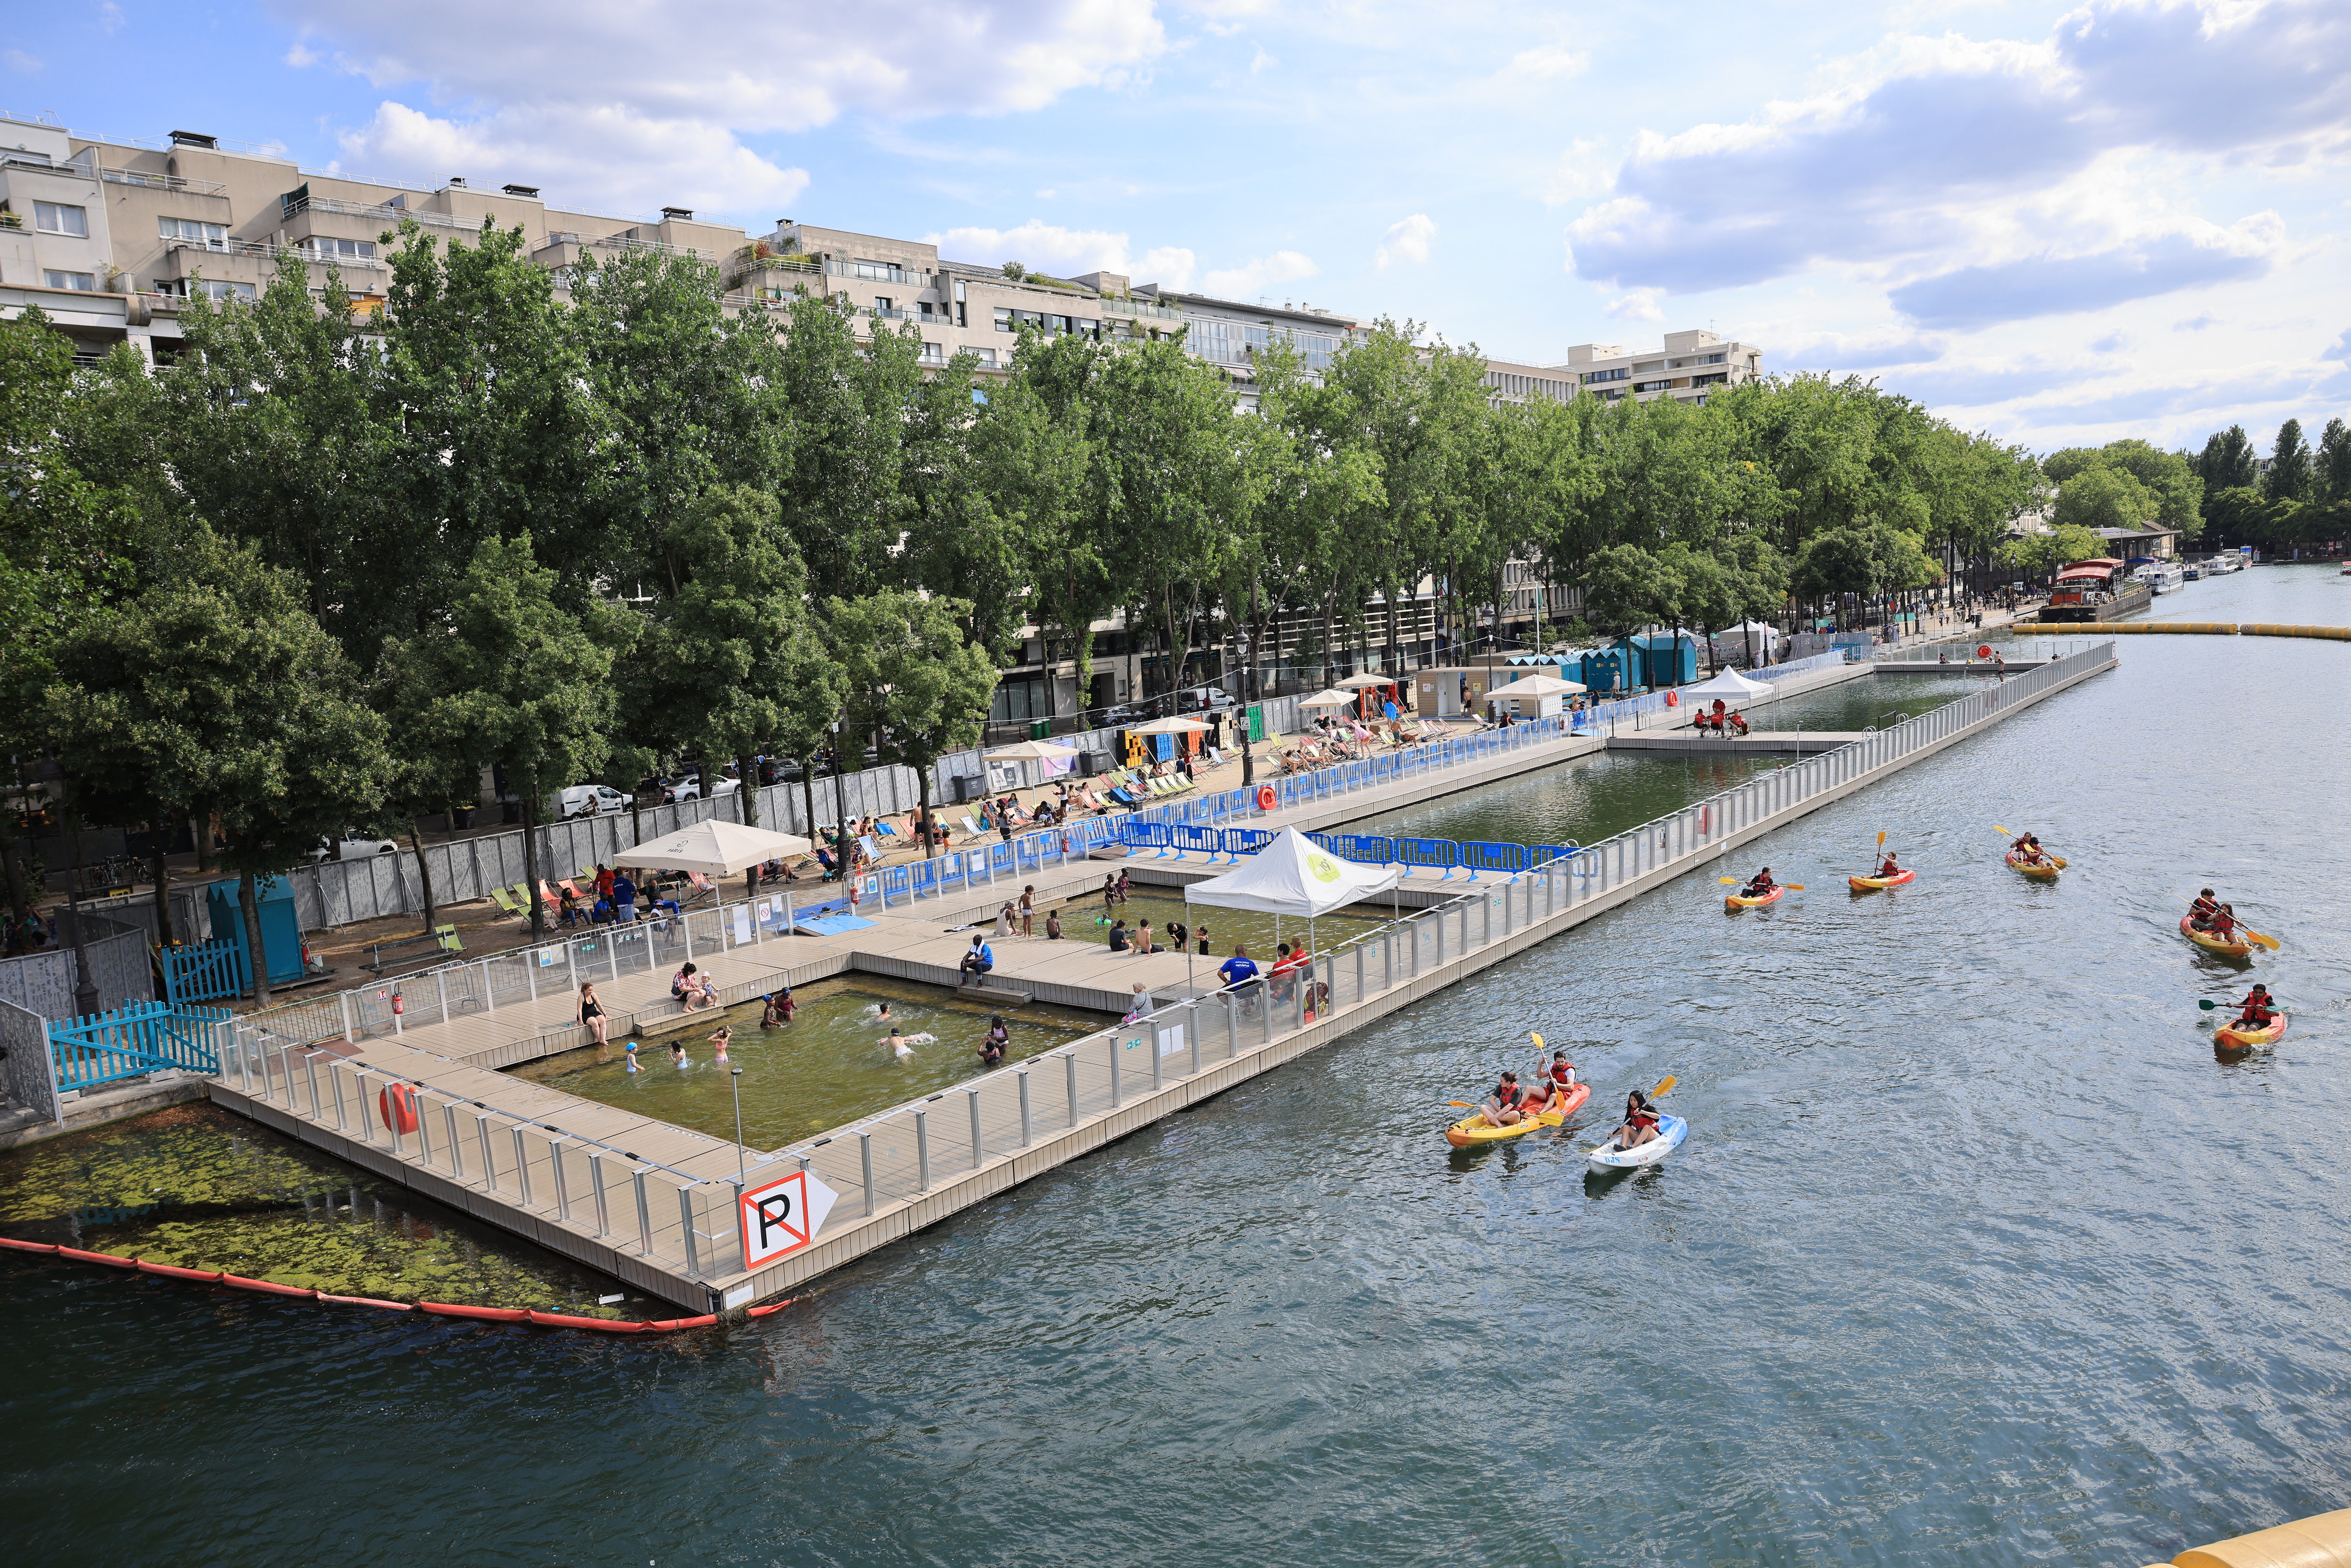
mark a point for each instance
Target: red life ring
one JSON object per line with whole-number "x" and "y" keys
{"x": 1673, "y": 699}
{"x": 1265, "y": 797}
{"x": 398, "y": 1102}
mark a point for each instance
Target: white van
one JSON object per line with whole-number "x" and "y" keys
{"x": 588, "y": 800}
{"x": 350, "y": 844}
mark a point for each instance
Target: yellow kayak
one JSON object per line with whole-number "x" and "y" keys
{"x": 2045, "y": 871}
{"x": 2212, "y": 943}
{"x": 1872, "y": 883}
{"x": 2234, "y": 1038}
{"x": 1471, "y": 1131}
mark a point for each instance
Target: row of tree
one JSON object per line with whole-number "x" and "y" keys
{"x": 2302, "y": 496}
{"x": 322, "y": 568}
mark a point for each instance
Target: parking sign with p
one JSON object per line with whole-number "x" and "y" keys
{"x": 781, "y": 1216}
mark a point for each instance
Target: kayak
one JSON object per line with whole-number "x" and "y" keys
{"x": 2045, "y": 871}
{"x": 1872, "y": 883}
{"x": 1734, "y": 903}
{"x": 2212, "y": 944}
{"x": 1671, "y": 1131}
{"x": 2234, "y": 1038}
{"x": 1471, "y": 1131}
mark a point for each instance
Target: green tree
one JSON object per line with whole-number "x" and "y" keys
{"x": 2227, "y": 462}
{"x": 1626, "y": 588}
{"x": 2332, "y": 472}
{"x": 2169, "y": 478}
{"x": 2103, "y": 499}
{"x": 212, "y": 689}
{"x": 845, "y": 503}
{"x": 914, "y": 683}
{"x": 2289, "y": 476}
{"x": 515, "y": 677}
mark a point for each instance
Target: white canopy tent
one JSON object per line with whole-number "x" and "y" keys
{"x": 1293, "y": 875}
{"x": 1540, "y": 693}
{"x": 1729, "y": 684}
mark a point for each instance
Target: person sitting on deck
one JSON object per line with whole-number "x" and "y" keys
{"x": 1762, "y": 885}
{"x": 1738, "y": 724}
{"x": 1888, "y": 866}
{"x": 2258, "y": 1013}
{"x": 2200, "y": 913}
{"x": 1502, "y": 1107}
{"x": 1640, "y": 1124}
{"x": 977, "y": 963}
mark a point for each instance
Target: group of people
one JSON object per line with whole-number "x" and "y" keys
{"x": 1511, "y": 1104}
{"x": 2028, "y": 850}
{"x": 1719, "y": 720}
{"x": 615, "y": 900}
{"x": 2212, "y": 917}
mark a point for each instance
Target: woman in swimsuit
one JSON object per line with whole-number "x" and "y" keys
{"x": 592, "y": 1018}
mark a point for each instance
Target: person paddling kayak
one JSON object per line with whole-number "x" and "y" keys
{"x": 1640, "y": 1124}
{"x": 1762, "y": 885}
{"x": 2200, "y": 913}
{"x": 2258, "y": 1013}
{"x": 1561, "y": 1077}
{"x": 2222, "y": 923}
{"x": 1887, "y": 867}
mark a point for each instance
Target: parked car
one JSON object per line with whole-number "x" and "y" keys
{"x": 1208, "y": 697}
{"x": 352, "y": 845}
{"x": 690, "y": 788}
{"x": 588, "y": 800}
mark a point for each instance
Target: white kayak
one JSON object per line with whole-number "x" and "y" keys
{"x": 1671, "y": 1131}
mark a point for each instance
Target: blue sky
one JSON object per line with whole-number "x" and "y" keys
{"x": 2060, "y": 225}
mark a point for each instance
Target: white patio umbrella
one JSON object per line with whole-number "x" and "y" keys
{"x": 1333, "y": 699}
{"x": 1170, "y": 727}
{"x": 1034, "y": 751}
{"x": 715, "y": 848}
{"x": 1362, "y": 679}
{"x": 1534, "y": 686}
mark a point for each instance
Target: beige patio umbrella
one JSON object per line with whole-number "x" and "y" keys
{"x": 1534, "y": 686}
{"x": 1362, "y": 679}
{"x": 1170, "y": 727}
{"x": 1034, "y": 751}
{"x": 1333, "y": 699}
{"x": 716, "y": 847}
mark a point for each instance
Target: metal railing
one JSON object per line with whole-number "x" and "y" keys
{"x": 162, "y": 181}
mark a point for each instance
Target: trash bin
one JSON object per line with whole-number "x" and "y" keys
{"x": 1040, "y": 729}
{"x": 510, "y": 811}
{"x": 463, "y": 817}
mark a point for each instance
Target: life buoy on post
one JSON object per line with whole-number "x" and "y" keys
{"x": 1265, "y": 797}
{"x": 1673, "y": 699}
{"x": 398, "y": 1102}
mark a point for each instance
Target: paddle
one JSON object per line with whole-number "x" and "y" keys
{"x": 1741, "y": 881}
{"x": 2057, "y": 860}
{"x": 2250, "y": 934}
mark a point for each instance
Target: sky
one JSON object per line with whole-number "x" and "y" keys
{"x": 2061, "y": 225}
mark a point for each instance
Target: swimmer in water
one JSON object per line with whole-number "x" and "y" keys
{"x": 725, "y": 1034}
{"x": 677, "y": 1054}
{"x": 634, "y": 1066}
{"x": 898, "y": 1044}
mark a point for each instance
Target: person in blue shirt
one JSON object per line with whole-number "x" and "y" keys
{"x": 624, "y": 897}
{"x": 1239, "y": 968}
{"x": 977, "y": 962}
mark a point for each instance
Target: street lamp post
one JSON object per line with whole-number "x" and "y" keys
{"x": 840, "y": 809}
{"x": 1249, "y": 758}
{"x": 737, "y": 1082}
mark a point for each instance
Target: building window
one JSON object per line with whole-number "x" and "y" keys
{"x": 1593, "y": 378}
{"x": 52, "y": 219}
{"x": 1651, "y": 386}
{"x": 85, "y": 281}
{"x": 1716, "y": 380}
{"x": 1003, "y": 319}
{"x": 185, "y": 288}
{"x": 189, "y": 231}
{"x": 318, "y": 248}
{"x": 934, "y": 353}
{"x": 986, "y": 358}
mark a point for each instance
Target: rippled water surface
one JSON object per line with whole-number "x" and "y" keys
{"x": 1976, "y": 1254}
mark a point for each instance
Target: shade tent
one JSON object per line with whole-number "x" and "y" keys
{"x": 1360, "y": 681}
{"x": 715, "y": 848}
{"x": 1328, "y": 699}
{"x": 1293, "y": 876}
{"x": 1729, "y": 684}
{"x": 1171, "y": 727}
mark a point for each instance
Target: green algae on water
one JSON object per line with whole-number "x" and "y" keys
{"x": 198, "y": 1187}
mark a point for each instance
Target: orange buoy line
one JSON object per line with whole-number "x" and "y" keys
{"x": 435, "y": 1309}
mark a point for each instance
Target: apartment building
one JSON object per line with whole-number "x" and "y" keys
{"x": 1690, "y": 366}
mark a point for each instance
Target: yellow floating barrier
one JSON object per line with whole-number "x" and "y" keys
{"x": 2323, "y": 1541}
{"x": 2201, "y": 628}
{"x": 2264, "y": 629}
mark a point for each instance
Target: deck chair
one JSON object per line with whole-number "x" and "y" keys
{"x": 506, "y": 902}
{"x": 971, "y": 826}
{"x": 448, "y": 939}
{"x": 885, "y": 830}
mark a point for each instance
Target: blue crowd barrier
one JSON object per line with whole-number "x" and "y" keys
{"x": 1482, "y": 855}
{"x": 1363, "y": 849}
{"x": 1190, "y": 837}
{"x": 1436, "y": 854}
{"x": 1239, "y": 842}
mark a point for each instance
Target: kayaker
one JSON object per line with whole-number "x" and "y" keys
{"x": 1888, "y": 866}
{"x": 1640, "y": 1122}
{"x": 1562, "y": 1075}
{"x": 2258, "y": 1013}
{"x": 2223, "y": 923}
{"x": 1501, "y": 1107}
{"x": 1760, "y": 886}
{"x": 2200, "y": 913}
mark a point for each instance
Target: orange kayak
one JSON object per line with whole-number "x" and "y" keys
{"x": 2045, "y": 872}
{"x": 2234, "y": 1038}
{"x": 1872, "y": 883}
{"x": 2212, "y": 944}
{"x": 1473, "y": 1130}
{"x": 1734, "y": 904}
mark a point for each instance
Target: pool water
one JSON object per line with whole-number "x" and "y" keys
{"x": 823, "y": 1068}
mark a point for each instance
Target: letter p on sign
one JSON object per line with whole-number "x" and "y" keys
{"x": 781, "y": 1217}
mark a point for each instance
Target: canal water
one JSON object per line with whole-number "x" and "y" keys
{"x": 1977, "y": 1253}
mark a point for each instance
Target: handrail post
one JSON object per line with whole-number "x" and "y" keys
{"x": 865, "y": 1164}
{"x": 978, "y": 1152}
{"x": 644, "y": 1215}
{"x": 686, "y": 1223}
{"x": 456, "y": 1145}
{"x": 596, "y": 1187}
{"x": 923, "y": 1148}
{"x": 1028, "y": 1133}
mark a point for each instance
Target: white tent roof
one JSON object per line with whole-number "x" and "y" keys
{"x": 1293, "y": 876}
{"x": 1328, "y": 699}
{"x": 1743, "y": 628}
{"x": 1729, "y": 684}
{"x": 714, "y": 848}
{"x": 1363, "y": 678}
{"x": 1534, "y": 686}
{"x": 1170, "y": 727}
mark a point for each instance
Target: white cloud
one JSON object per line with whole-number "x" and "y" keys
{"x": 1970, "y": 173}
{"x": 1637, "y": 305}
{"x": 1407, "y": 240}
{"x": 1260, "y": 60}
{"x": 1551, "y": 62}
{"x": 1257, "y": 275}
{"x": 542, "y": 79}
{"x": 622, "y": 158}
{"x": 18, "y": 60}
{"x": 1062, "y": 252}
{"x": 1579, "y": 173}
